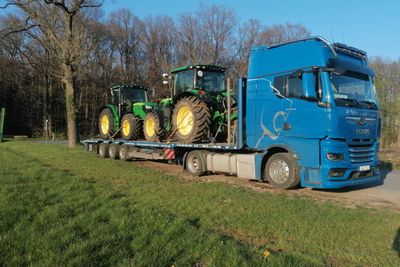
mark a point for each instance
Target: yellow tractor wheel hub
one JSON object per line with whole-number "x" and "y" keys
{"x": 184, "y": 120}
{"x": 104, "y": 124}
{"x": 149, "y": 126}
{"x": 126, "y": 128}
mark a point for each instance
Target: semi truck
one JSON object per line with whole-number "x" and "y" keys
{"x": 307, "y": 115}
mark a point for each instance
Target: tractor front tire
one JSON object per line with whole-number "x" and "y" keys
{"x": 106, "y": 124}
{"x": 191, "y": 120}
{"x": 131, "y": 127}
{"x": 153, "y": 129}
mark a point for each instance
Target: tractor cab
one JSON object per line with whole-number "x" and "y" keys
{"x": 198, "y": 79}
{"x": 123, "y": 96}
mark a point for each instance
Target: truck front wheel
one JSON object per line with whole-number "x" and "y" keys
{"x": 281, "y": 171}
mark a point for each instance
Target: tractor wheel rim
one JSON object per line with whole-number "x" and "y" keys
{"x": 126, "y": 127}
{"x": 184, "y": 120}
{"x": 149, "y": 127}
{"x": 279, "y": 171}
{"x": 104, "y": 124}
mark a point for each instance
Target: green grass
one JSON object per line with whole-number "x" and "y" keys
{"x": 68, "y": 207}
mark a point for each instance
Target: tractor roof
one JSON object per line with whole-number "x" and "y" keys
{"x": 134, "y": 86}
{"x": 199, "y": 66}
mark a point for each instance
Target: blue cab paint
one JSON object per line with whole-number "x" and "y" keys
{"x": 309, "y": 125}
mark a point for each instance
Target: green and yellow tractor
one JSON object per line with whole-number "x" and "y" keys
{"x": 124, "y": 116}
{"x": 197, "y": 111}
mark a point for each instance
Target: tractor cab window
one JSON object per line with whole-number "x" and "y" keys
{"x": 210, "y": 81}
{"x": 135, "y": 94}
{"x": 183, "y": 81}
{"x": 115, "y": 96}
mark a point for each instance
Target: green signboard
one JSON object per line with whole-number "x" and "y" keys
{"x": 2, "y": 115}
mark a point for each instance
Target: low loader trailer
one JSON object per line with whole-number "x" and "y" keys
{"x": 307, "y": 115}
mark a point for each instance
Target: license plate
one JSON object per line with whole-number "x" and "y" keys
{"x": 365, "y": 168}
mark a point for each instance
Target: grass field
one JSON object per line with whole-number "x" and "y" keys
{"x": 68, "y": 207}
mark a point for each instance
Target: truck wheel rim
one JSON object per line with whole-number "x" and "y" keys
{"x": 193, "y": 164}
{"x": 149, "y": 126}
{"x": 279, "y": 171}
{"x": 104, "y": 124}
{"x": 126, "y": 127}
{"x": 184, "y": 120}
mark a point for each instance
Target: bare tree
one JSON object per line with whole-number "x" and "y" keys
{"x": 58, "y": 30}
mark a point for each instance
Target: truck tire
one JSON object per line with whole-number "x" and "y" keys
{"x": 153, "y": 127}
{"x": 196, "y": 163}
{"x": 131, "y": 127}
{"x": 123, "y": 153}
{"x": 281, "y": 171}
{"x": 113, "y": 151}
{"x": 106, "y": 124}
{"x": 103, "y": 150}
{"x": 191, "y": 120}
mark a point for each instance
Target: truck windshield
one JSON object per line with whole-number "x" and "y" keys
{"x": 354, "y": 90}
{"x": 210, "y": 81}
{"x": 135, "y": 95}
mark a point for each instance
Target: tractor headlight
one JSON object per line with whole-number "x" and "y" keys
{"x": 148, "y": 107}
{"x": 335, "y": 156}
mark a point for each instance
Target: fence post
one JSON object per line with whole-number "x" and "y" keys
{"x": 2, "y": 115}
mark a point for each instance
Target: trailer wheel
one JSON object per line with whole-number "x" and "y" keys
{"x": 103, "y": 150}
{"x": 196, "y": 163}
{"x": 131, "y": 127}
{"x": 123, "y": 152}
{"x": 282, "y": 171}
{"x": 113, "y": 151}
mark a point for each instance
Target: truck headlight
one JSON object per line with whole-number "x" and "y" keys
{"x": 335, "y": 156}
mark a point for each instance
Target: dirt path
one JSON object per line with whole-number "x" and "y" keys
{"x": 386, "y": 195}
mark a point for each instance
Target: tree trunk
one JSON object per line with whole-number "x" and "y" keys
{"x": 68, "y": 80}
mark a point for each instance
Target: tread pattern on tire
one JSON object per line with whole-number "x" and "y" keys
{"x": 160, "y": 132}
{"x": 202, "y": 120}
{"x": 136, "y": 126}
{"x": 110, "y": 116}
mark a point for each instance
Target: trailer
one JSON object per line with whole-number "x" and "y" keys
{"x": 307, "y": 114}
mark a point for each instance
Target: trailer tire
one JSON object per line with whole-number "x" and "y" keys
{"x": 113, "y": 151}
{"x": 281, "y": 171}
{"x": 123, "y": 153}
{"x": 131, "y": 127}
{"x": 196, "y": 163}
{"x": 106, "y": 123}
{"x": 103, "y": 150}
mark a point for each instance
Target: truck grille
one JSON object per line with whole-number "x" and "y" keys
{"x": 361, "y": 153}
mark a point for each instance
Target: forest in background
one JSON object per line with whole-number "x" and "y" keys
{"x": 58, "y": 59}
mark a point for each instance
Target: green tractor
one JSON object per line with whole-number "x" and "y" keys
{"x": 197, "y": 111}
{"x": 123, "y": 117}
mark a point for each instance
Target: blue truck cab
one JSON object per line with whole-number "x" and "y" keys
{"x": 317, "y": 101}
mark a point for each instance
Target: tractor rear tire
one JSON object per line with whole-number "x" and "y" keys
{"x": 191, "y": 120}
{"x": 153, "y": 129}
{"x": 131, "y": 127}
{"x": 106, "y": 124}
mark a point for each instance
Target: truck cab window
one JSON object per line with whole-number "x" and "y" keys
{"x": 295, "y": 87}
{"x": 279, "y": 84}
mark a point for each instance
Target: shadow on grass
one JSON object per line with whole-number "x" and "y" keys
{"x": 396, "y": 242}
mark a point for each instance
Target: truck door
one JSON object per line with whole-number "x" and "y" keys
{"x": 304, "y": 117}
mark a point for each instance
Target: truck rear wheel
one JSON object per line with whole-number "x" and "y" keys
{"x": 113, "y": 151}
{"x": 191, "y": 120}
{"x": 131, "y": 127}
{"x": 106, "y": 123}
{"x": 196, "y": 163}
{"x": 103, "y": 150}
{"x": 281, "y": 171}
{"x": 153, "y": 127}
